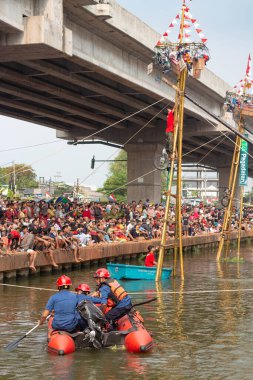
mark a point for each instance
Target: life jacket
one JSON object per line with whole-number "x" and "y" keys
{"x": 117, "y": 292}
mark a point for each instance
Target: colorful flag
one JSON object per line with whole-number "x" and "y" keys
{"x": 112, "y": 198}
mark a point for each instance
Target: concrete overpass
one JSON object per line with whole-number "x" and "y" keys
{"x": 78, "y": 66}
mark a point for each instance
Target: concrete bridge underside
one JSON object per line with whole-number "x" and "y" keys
{"x": 78, "y": 66}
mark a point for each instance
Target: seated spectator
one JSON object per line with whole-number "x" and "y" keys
{"x": 27, "y": 245}
{"x": 45, "y": 244}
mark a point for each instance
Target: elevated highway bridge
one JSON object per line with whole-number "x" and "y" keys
{"x": 78, "y": 66}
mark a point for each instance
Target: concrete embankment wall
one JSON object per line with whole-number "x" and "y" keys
{"x": 17, "y": 264}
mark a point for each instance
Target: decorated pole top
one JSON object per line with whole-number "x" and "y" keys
{"x": 184, "y": 52}
{"x": 240, "y": 98}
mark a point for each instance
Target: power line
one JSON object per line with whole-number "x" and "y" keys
{"x": 30, "y": 146}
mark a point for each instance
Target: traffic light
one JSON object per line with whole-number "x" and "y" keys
{"x": 93, "y": 162}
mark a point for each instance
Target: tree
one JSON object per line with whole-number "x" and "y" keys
{"x": 117, "y": 177}
{"x": 25, "y": 176}
{"x": 62, "y": 188}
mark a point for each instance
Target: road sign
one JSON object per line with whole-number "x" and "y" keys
{"x": 243, "y": 172}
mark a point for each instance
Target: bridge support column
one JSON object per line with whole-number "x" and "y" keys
{"x": 224, "y": 174}
{"x": 140, "y": 160}
{"x": 51, "y": 9}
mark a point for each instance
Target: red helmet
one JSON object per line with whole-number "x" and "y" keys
{"x": 63, "y": 280}
{"x": 102, "y": 273}
{"x": 83, "y": 288}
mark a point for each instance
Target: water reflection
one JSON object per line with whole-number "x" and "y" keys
{"x": 197, "y": 335}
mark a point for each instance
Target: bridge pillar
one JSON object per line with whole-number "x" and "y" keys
{"x": 140, "y": 161}
{"x": 51, "y": 9}
{"x": 224, "y": 174}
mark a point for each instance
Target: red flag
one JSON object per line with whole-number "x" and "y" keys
{"x": 177, "y": 16}
{"x": 198, "y": 30}
{"x": 204, "y": 40}
{"x": 165, "y": 34}
{"x": 171, "y": 25}
{"x": 248, "y": 70}
{"x": 194, "y": 20}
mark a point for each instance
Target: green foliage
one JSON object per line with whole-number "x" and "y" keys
{"x": 61, "y": 189}
{"x": 232, "y": 260}
{"x": 117, "y": 177}
{"x": 25, "y": 176}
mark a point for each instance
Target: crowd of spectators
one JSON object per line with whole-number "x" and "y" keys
{"x": 28, "y": 226}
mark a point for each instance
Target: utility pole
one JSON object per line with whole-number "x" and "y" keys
{"x": 77, "y": 187}
{"x": 14, "y": 178}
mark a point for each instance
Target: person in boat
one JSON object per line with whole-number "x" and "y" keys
{"x": 63, "y": 304}
{"x": 83, "y": 294}
{"x": 150, "y": 258}
{"x": 111, "y": 292}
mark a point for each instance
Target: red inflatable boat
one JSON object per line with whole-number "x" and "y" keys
{"x": 130, "y": 333}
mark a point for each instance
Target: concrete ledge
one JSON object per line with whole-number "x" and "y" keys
{"x": 14, "y": 264}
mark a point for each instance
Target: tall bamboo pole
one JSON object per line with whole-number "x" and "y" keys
{"x": 179, "y": 239}
{"x": 178, "y": 135}
{"x": 167, "y": 207}
{"x": 240, "y": 223}
{"x": 232, "y": 183}
{"x": 231, "y": 188}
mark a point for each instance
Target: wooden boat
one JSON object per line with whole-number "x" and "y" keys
{"x": 136, "y": 272}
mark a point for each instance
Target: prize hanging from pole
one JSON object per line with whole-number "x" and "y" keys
{"x": 175, "y": 56}
{"x": 239, "y": 103}
{"x": 182, "y": 58}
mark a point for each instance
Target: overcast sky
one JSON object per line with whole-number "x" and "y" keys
{"x": 227, "y": 25}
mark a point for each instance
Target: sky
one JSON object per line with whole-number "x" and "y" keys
{"x": 227, "y": 25}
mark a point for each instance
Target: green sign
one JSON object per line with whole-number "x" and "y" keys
{"x": 244, "y": 163}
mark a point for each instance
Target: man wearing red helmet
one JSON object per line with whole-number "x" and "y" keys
{"x": 110, "y": 290}
{"x": 63, "y": 303}
{"x": 83, "y": 291}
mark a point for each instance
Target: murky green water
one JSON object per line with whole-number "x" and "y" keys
{"x": 198, "y": 335}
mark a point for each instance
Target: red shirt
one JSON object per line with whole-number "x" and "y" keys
{"x": 15, "y": 234}
{"x": 87, "y": 214}
{"x": 150, "y": 260}
{"x": 170, "y": 122}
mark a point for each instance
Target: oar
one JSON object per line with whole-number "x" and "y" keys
{"x": 14, "y": 344}
{"x": 144, "y": 302}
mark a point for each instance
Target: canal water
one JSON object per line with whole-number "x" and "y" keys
{"x": 203, "y": 330}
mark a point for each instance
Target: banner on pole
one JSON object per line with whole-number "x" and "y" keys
{"x": 244, "y": 163}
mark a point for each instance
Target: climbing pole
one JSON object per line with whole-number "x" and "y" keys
{"x": 240, "y": 103}
{"x": 182, "y": 58}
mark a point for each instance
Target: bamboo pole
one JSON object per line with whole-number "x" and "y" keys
{"x": 240, "y": 223}
{"x": 168, "y": 195}
{"x": 178, "y": 136}
{"x": 232, "y": 184}
{"x": 179, "y": 240}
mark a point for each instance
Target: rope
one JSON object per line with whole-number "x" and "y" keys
{"x": 144, "y": 175}
{"x": 210, "y": 151}
{"x": 224, "y": 134}
{"x": 150, "y": 292}
{"x": 86, "y": 138}
{"x": 128, "y": 140}
{"x": 117, "y": 122}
